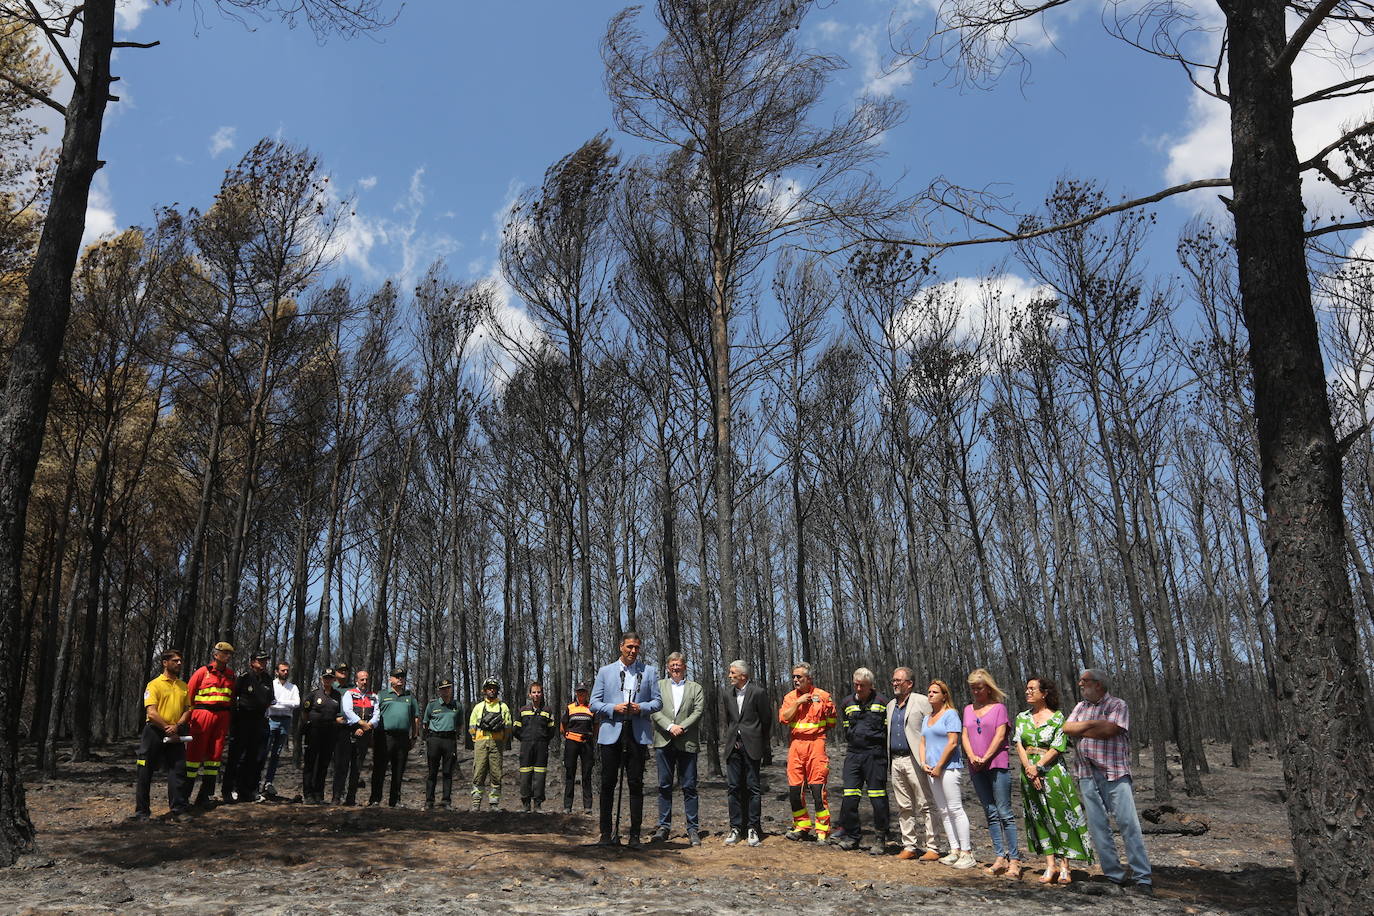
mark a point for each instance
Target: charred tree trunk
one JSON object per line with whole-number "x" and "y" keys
{"x": 33, "y": 365}
{"x": 1325, "y": 739}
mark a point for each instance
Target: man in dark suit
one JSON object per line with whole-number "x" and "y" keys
{"x": 748, "y": 720}
{"x": 625, "y": 697}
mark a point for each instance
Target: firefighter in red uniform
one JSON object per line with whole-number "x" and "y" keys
{"x": 211, "y": 690}
{"x": 810, "y": 714}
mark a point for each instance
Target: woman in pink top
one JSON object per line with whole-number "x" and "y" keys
{"x": 986, "y": 747}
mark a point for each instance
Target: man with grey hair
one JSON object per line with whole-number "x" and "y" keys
{"x": 909, "y": 782}
{"x": 1101, "y": 728}
{"x": 677, "y": 738}
{"x": 863, "y": 715}
{"x": 748, "y": 718}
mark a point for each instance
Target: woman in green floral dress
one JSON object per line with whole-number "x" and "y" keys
{"x": 1055, "y": 826}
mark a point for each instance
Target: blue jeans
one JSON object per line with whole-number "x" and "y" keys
{"x": 681, "y": 765}
{"x": 993, "y": 786}
{"x": 1102, "y": 797}
{"x": 278, "y": 730}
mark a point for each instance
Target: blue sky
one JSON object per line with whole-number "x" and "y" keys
{"x": 436, "y": 122}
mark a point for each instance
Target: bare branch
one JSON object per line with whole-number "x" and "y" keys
{"x": 1009, "y": 236}
{"x": 1301, "y": 34}
{"x": 1337, "y": 91}
{"x": 1338, "y": 227}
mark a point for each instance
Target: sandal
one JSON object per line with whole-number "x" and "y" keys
{"x": 1014, "y": 870}
{"x": 1064, "y": 877}
{"x": 1047, "y": 877}
{"x": 996, "y": 868}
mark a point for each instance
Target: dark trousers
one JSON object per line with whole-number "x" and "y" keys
{"x": 679, "y": 766}
{"x": 441, "y": 753}
{"x": 575, "y": 752}
{"x": 865, "y": 774}
{"x": 320, "y": 738}
{"x": 744, "y": 784}
{"x": 247, "y": 738}
{"x": 349, "y": 753}
{"x": 155, "y": 754}
{"x": 391, "y": 753}
{"x": 629, "y": 755}
{"x": 534, "y": 769}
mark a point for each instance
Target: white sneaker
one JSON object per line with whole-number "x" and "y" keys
{"x": 951, "y": 858}
{"x": 754, "y": 838}
{"x": 732, "y": 838}
{"x": 966, "y": 860}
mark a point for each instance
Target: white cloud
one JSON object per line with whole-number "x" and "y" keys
{"x": 509, "y": 334}
{"x": 966, "y": 310}
{"x": 1204, "y": 150}
{"x": 223, "y": 140}
{"x": 129, "y": 13}
{"x": 368, "y": 183}
{"x": 882, "y": 76}
{"x": 101, "y": 220}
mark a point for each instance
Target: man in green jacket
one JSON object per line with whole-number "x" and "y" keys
{"x": 677, "y": 737}
{"x": 490, "y": 728}
{"x": 400, "y": 725}
{"x": 440, "y": 722}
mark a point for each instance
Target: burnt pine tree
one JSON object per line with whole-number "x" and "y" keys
{"x": 1325, "y": 736}
{"x": 33, "y": 361}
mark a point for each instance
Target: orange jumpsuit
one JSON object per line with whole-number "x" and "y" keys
{"x": 212, "y": 696}
{"x": 810, "y": 717}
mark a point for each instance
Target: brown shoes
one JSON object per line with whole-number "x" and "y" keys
{"x": 930, "y": 856}
{"x": 907, "y": 854}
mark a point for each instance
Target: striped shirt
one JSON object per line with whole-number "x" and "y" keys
{"x": 1111, "y": 756}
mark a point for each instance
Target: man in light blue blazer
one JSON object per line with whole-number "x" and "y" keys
{"x": 625, "y": 696}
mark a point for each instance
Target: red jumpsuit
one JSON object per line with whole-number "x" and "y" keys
{"x": 810, "y": 716}
{"x": 212, "y": 695}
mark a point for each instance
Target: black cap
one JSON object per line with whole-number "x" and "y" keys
{"x": 328, "y": 672}
{"x": 341, "y": 666}
{"x": 444, "y": 684}
{"x": 399, "y": 672}
{"x": 491, "y": 682}
{"x": 261, "y": 656}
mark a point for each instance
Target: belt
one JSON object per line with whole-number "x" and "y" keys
{"x": 213, "y": 707}
{"x": 900, "y": 753}
{"x": 442, "y": 734}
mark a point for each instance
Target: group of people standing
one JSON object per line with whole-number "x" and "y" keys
{"x": 917, "y": 746}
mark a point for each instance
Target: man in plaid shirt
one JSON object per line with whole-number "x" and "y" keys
{"x": 1101, "y": 728}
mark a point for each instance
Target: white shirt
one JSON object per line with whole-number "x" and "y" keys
{"x": 285, "y": 698}
{"x": 677, "y": 688}
{"x": 739, "y": 699}
{"x": 631, "y": 683}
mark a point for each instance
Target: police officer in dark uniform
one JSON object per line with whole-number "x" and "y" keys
{"x": 321, "y": 718}
{"x": 248, "y": 731}
{"x": 440, "y": 721}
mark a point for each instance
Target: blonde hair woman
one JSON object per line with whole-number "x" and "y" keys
{"x": 943, "y": 763}
{"x": 986, "y": 729}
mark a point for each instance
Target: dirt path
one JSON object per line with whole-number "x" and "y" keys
{"x": 293, "y": 859}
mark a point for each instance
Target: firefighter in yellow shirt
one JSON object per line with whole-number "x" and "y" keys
{"x": 162, "y": 744}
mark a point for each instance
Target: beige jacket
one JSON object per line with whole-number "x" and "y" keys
{"x": 917, "y": 708}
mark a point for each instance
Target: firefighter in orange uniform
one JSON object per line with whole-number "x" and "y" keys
{"x": 809, "y": 713}
{"x": 211, "y": 690}
{"x": 578, "y": 727}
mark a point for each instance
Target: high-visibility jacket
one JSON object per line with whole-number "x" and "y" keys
{"x": 212, "y": 688}
{"x": 810, "y": 715}
{"x": 578, "y": 722}
{"x": 865, "y": 722}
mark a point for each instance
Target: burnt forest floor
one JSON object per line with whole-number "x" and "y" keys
{"x": 282, "y": 857}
